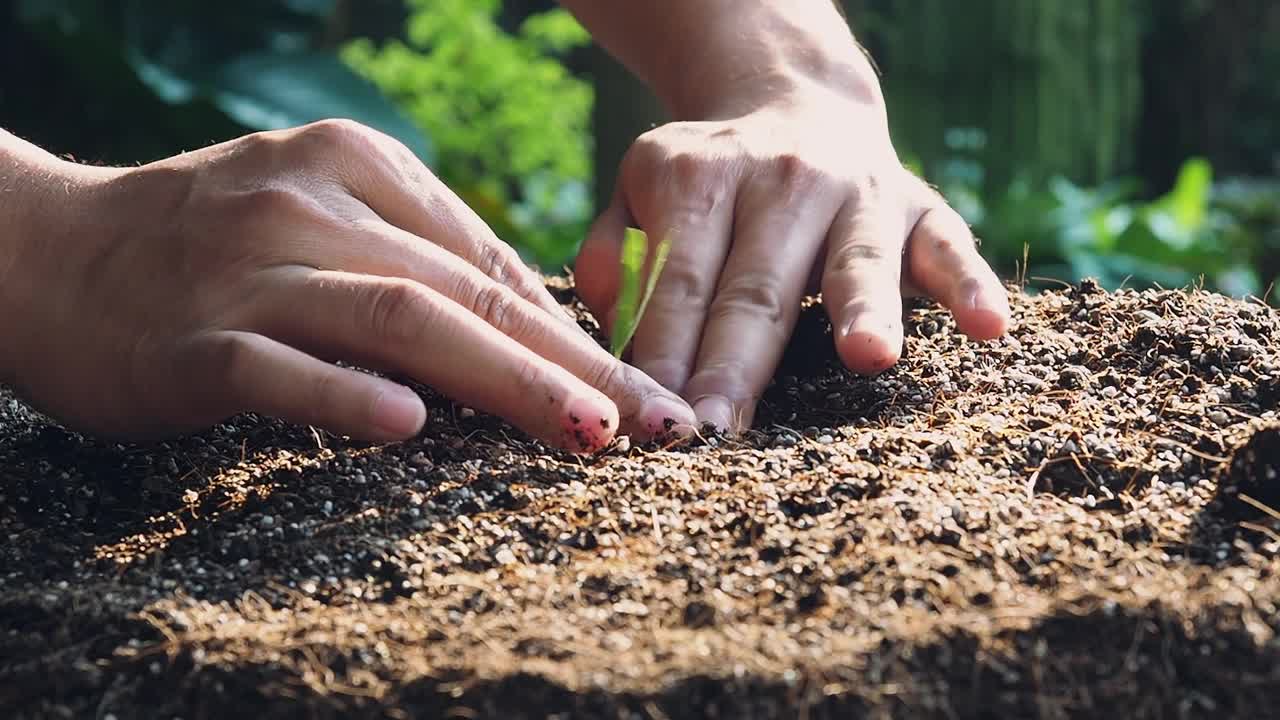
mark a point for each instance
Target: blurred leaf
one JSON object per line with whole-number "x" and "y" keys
{"x": 502, "y": 110}
{"x": 279, "y": 90}
{"x": 1188, "y": 202}
{"x": 554, "y": 32}
{"x": 660, "y": 254}
{"x": 232, "y": 66}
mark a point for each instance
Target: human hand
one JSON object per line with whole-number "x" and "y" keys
{"x": 165, "y": 298}
{"x": 772, "y": 196}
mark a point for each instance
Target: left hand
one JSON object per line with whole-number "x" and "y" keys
{"x": 766, "y": 202}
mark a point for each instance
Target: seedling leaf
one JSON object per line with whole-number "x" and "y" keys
{"x": 631, "y": 303}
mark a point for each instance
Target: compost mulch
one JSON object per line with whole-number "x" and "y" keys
{"x": 1077, "y": 520}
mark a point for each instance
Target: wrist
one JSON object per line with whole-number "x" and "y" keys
{"x": 767, "y": 56}
{"x": 41, "y": 202}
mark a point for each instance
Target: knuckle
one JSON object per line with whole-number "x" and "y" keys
{"x": 751, "y": 295}
{"x": 645, "y": 155}
{"x": 498, "y": 262}
{"x": 342, "y": 146}
{"x": 945, "y": 245}
{"x": 868, "y": 190}
{"x": 696, "y": 198}
{"x": 399, "y": 312}
{"x": 498, "y": 306}
{"x": 791, "y": 171}
{"x": 691, "y": 181}
{"x": 652, "y": 144}
{"x": 323, "y": 391}
{"x": 274, "y": 203}
{"x": 726, "y": 377}
{"x": 609, "y": 377}
{"x": 527, "y": 376}
{"x": 684, "y": 287}
{"x": 667, "y": 370}
{"x": 856, "y": 255}
{"x": 338, "y": 132}
{"x": 232, "y": 356}
{"x": 686, "y": 165}
{"x": 954, "y": 235}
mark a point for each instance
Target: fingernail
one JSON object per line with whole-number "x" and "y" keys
{"x": 588, "y": 423}
{"x": 850, "y": 325}
{"x": 663, "y": 414}
{"x": 865, "y": 349}
{"x": 399, "y": 412}
{"x": 984, "y": 301}
{"x": 717, "y": 410}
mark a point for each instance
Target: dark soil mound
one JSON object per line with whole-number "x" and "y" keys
{"x": 1073, "y": 521}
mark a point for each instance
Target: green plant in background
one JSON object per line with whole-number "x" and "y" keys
{"x": 1107, "y": 232}
{"x": 509, "y": 121}
{"x": 631, "y": 301}
{"x": 187, "y": 73}
{"x": 1254, "y": 205}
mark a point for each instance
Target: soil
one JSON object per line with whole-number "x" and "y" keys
{"x": 1073, "y": 521}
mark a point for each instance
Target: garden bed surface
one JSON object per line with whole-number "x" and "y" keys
{"x": 1071, "y": 521}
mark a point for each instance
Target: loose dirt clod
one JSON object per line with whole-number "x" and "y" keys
{"x": 1077, "y": 520}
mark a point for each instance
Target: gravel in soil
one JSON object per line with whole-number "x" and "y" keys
{"x": 1075, "y": 520}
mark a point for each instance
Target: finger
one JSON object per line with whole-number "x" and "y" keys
{"x": 406, "y": 326}
{"x": 409, "y": 327}
{"x": 388, "y": 178}
{"x": 261, "y": 375}
{"x": 943, "y": 261}
{"x": 756, "y": 305}
{"x": 646, "y": 408}
{"x": 697, "y": 216}
{"x": 860, "y": 285}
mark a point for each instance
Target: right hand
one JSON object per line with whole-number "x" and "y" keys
{"x": 167, "y": 297}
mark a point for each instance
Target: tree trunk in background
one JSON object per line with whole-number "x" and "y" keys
{"x": 1212, "y": 87}
{"x": 1056, "y": 86}
{"x": 624, "y": 109}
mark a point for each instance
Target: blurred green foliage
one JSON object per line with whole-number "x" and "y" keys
{"x": 177, "y": 75}
{"x": 483, "y": 90}
{"x": 511, "y": 123}
{"x": 1222, "y": 234}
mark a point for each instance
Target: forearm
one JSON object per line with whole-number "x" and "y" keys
{"x": 38, "y": 197}
{"x": 695, "y": 54}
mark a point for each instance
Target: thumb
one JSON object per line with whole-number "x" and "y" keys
{"x": 598, "y": 267}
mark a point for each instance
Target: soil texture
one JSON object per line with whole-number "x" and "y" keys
{"x": 1077, "y": 520}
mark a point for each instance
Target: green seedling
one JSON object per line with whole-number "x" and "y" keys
{"x": 631, "y": 303}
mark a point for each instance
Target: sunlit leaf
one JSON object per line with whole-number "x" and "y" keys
{"x": 660, "y": 254}
{"x": 635, "y": 246}
{"x": 1188, "y": 202}
{"x": 631, "y": 302}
